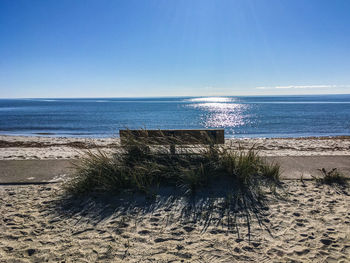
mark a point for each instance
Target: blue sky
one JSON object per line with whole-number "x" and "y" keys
{"x": 85, "y": 48}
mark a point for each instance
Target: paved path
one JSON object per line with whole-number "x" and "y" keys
{"x": 48, "y": 171}
{"x": 293, "y": 167}
{"x": 34, "y": 171}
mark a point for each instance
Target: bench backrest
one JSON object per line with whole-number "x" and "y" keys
{"x": 177, "y": 137}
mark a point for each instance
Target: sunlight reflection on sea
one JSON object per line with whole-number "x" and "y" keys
{"x": 211, "y": 99}
{"x": 220, "y": 112}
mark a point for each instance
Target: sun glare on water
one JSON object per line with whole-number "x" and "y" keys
{"x": 212, "y": 99}
{"x": 220, "y": 111}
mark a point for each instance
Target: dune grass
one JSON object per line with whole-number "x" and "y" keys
{"x": 211, "y": 181}
{"x": 135, "y": 166}
{"x": 331, "y": 177}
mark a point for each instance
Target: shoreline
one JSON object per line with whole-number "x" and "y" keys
{"x": 87, "y": 136}
{"x": 39, "y": 147}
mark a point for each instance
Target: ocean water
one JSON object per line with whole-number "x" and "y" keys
{"x": 260, "y": 116}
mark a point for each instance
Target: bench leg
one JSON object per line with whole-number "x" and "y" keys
{"x": 172, "y": 148}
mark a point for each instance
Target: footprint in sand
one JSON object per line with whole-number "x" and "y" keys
{"x": 302, "y": 252}
{"x": 179, "y": 247}
{"x": 217, "y": 231}
{"x": 181, "y": 255}
{"x": 8, "y": 248}
{"x": 188, "y": 228}
{"x": 140, "y": 239}
{"x": 144, "y": 232}
{"x": 326, "y": 241}
{"x": 256, "y": 244}
{"x": 160, "y": 240}
{"x": 178, "y": 233}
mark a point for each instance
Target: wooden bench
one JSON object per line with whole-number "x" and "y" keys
{"x": 174, "y": 137}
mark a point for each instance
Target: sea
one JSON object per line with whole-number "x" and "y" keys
{"x": 240, "y": 116}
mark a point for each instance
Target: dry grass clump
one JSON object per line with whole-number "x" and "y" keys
{"x": 137, "y": 167}
{"x": 332, "y": 177}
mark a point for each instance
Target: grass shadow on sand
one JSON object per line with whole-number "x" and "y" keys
{"x": 211, "y": 209}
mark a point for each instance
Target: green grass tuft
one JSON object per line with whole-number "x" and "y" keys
{"x": 332, "y": 177}
{"x": 136, "y": 166}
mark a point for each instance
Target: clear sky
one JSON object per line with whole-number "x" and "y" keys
{"x": 84, "y": 48}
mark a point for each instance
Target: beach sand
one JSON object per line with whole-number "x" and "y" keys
{"x": 38, "y": 224}
{"x": 306, "y": 222}
{"x": 31, "y": 147}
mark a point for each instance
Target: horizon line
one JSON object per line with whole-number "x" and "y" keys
{"x": 182, "y": 96}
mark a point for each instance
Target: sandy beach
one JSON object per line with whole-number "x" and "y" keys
{"x": 310, "y": 224}
{"x": 36, "y": 147}
{"x": 306, "y": 222}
